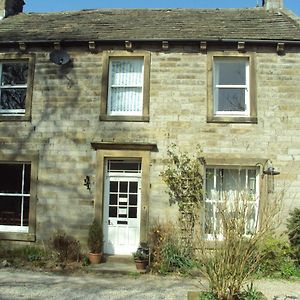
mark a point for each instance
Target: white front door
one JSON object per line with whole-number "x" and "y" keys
{"x": 122, "y": 198}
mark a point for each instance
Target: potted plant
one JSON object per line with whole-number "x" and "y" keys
{"x": 141, "y": 257}
{"x": 95, "y": 240}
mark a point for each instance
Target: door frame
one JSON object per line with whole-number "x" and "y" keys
{"x": 102, "y": 155}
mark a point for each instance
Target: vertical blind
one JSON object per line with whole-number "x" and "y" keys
{"x": 125, "y": 93}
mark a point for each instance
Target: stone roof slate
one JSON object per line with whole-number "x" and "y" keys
{"x": 151, "y": 24}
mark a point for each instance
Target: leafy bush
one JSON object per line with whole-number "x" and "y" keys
{"x": 66, "y": 247}
{"x": 169, "y": 253}
{"x": 293, "y": 226}
{"x": 276, "y": 259}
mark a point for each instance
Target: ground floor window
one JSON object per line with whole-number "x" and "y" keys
{"x": 15, "y": 180}
{"x": 224, "y": 187}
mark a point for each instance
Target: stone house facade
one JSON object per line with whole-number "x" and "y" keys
{"x": 90, "y": 101}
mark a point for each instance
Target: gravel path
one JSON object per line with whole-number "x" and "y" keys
{"x": 20, "y": 284}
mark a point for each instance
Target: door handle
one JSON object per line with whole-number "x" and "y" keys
{"x": 109, "y": 223}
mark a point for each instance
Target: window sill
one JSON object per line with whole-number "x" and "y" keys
{"x": 17, "y": 236}
{"x": 231, "y": 119}
{"x": 124, "y": 118}
{"x": 15, "y": 118}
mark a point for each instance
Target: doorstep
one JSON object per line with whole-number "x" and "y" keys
{"x": 115, "y": 264}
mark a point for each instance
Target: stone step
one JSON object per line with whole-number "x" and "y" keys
{"x": 117, "y": 264}
{"x": 118, "y": 259}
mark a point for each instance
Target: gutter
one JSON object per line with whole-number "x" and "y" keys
{"x": 253, "y": 41}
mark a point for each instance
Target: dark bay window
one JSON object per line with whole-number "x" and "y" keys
{"x": 15, "y": 181}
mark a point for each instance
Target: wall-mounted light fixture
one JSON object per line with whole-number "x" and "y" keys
{"x": 270, "y": 172}
{"x": 87, "y": 182}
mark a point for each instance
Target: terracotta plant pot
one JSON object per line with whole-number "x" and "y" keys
{"x": 95, "y": 258}
{"x": 141, "y": 264}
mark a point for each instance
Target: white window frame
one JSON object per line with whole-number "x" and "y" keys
{"x": 214, "y": 202}
{"x": 110, "y": 87}
{"x": 217, "y": 86}
{"x": 21, "y": 228}
{"x": 12, "y": 112}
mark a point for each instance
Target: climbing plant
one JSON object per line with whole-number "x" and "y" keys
{"x": 184, "y": 178}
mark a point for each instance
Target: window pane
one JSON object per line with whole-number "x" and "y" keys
{"x": 126, "y": 99}
{"x": 233, "y": 180}
{"x": 133, "y": 187}
{"x": 209, "y": 183}
{"x": 13, "y": 99}
{"x": 26, "y": 211}
{"x": 10, "y": 210}
{"x": 132, "y": 212}
{"x": 252, "y": 181}
{"x": 113, "y": 186}
{"x": 112, "y": 211}
{"x": 113, "y": 199}
{"x": 27, "y": 179}
{"x": 209, "y": 218}
{"x": 132, "y": 199}
{"x": 231, "y": 99}
{"x": 14, "y": 73}
{"x": 232, "y": 72}
{"x": 123, "y": 187}
{"x": 126, "y": 72}
{"x": 126, "y": 166}
{"x": 11, "y": 178}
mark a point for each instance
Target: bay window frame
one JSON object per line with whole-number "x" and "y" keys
{"x": 221, "y": 200}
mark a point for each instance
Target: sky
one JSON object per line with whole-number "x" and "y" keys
{"x": 67, "y": 5}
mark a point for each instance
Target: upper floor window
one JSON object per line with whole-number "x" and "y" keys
{"x": 125, "y": 86}
{"x": 13, "y": 88}
{"x": 16, "y": 84}
{"x": 231, "y": 86}
{"x": 231, "y": 97}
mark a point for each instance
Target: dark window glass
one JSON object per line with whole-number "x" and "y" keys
{"x": 112, "y": 211}
{"x": 11, "y": 178}
{"x": 123, "y": 187}
{"x": 132, "y": 199}
{"x": 132, "y": 212}
{"x": 27, "y": 179}
{"x": 133, "y": 187}
{"x": 14, "y": 73}
{"x": 114, "y": 186}
{"x": 26, "y": 211}
{"x": 12, "y": 98}
{"x": 113, "y": 199}
{"x": 10, "y": 210}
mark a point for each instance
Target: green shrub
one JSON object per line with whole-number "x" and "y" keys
{"x": 95, "y": 238}
{"x": 66, "y": 247}
{"x": 169, "y": 253}
{"x": 276, "y": 259}
{"x": 251, "y": 293}
{"x": 293, "y": 226}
